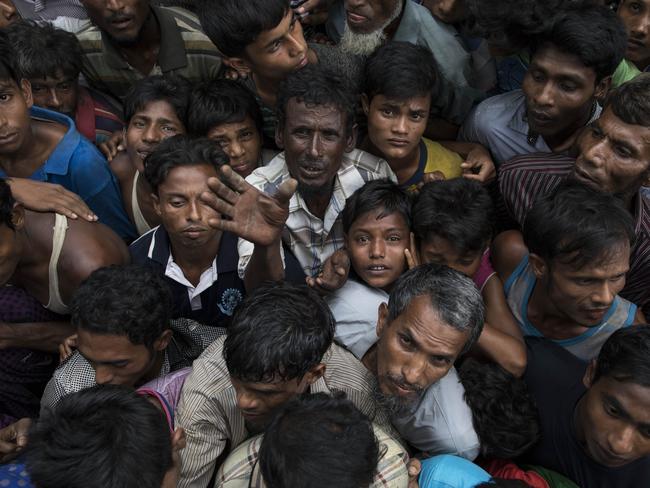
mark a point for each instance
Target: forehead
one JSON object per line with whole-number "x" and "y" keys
{"x": 157, "y": 110}
{"x": 54, "y": 79}
{"x": 300, "y": 114}
{"x": 557, "y": 63}
{"x": 415, "y": 103}
{"x": 374, "y": 219}
{"x": 612, "y": 262}
{"x": 636, "y": 135}
{"x": 187, "y": 178}
{"x": 106, "y": 347}
{"x": 232, "y": 128}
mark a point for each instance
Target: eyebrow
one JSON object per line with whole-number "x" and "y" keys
{"x": 279, "y": 38}
{"x": 104, "y": 363}
{"x": 418, "y": 345}
{"x": 622, "y": 412}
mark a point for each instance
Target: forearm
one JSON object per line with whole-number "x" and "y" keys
{"x": 42, "y": 336}
{"x": 461, "y": 148}
{"x": 265, "y": 265}
{"x": 504, "y": 349}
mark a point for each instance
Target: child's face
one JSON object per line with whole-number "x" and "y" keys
{"x": 376, "y": 246}
{"x": 242, "y": 142}
{"x": 59, "y": 93}
{"x": 396, "y": 127}
{"x": 15, "y": 124}
{"x": 440, "y": 251}
{"x": 148, "y": 127}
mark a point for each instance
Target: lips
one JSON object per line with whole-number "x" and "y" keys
{"x": 354, "y": 18}
{"x": 635, "y": 44}
{"x": 377, "y": 268}
{"x": 583, "y": 177}
{"x": 8, "y": 138}
{"x": 193, "y": 232}
{"x": 540, "y": 118}
{"x": 398, "y": 142}
{"x": 312, "y": 170}
{"x": 143, "y": 152}
{"x": 121, "y": 22}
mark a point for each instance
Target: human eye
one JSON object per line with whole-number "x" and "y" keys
{"x": 568, "y": 87}
{"x": 386, "y": 112}
{"x": 438, "y": 361}
{"x": 246, "y": 135}
{"x": 611, "y": 410}
{"x": 5, "y": 97}
{"x": 37, "y": 88}
{"x": 363, "y": 239}
{"x": 275, "y": 46}
{"x": 330, "y": 135}
{"x": 169, "y": 128}
{"x": 177, "y": 202}
{"x": 138, "y": 124}
{"x": 65, "y": 86}
{"x": 634, "y": 7}
{"x": 417, "y": 116}
{"x": 622, "y": 150}
{"x": 405, "y": 340}
{"x": 537, "y": 75}
{"x": 394, "y": 238}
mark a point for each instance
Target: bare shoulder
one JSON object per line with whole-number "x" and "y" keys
{"x": 508, "y": 249}
{"x": 122, "y": 167}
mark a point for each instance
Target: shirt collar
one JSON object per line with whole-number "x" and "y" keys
{"x": 57, "y": 163}
{"x": 519, "y": 121}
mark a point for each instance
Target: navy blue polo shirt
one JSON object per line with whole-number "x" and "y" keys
{"x": 213, "y": 300}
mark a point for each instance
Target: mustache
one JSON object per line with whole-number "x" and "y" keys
{"x": 400, "y": 381}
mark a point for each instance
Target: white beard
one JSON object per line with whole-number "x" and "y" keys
{"x": 361, "y": 44}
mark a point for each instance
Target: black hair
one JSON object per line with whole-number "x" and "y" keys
{"x": 593, "y": 33}
{"x": 375, "y": 195}
{"x": 279, "y": 332}
{"x": 217, "y": 102}
{"x": 130, "y": 300}
{"x": 173, "y": 89}
{"x": 400, "y": 71}
{"x": 504, "y": 414}
{"x": 458, "y": 210}
{"x": 625, "y": 356}
{"x": 42, "y": 50}
{"x": 232, "y": 24}
{"x": 181, "y": 150}
{"x": 314, "y": 85}
{"x": 630, "y": 102}
{"x": 8, "y": 69}
{"x": 319, "y": 441}
{"x": 7, "y": 202}
{"x": 103, "y": 436}
{"x": 577, "y": 225}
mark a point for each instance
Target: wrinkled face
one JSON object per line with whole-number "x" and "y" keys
{"x": 58, "y": 93}
{"x": 280, "y": 51}
{"x": 15, "y": 124}
{"x": 122, "y": 20}
{"x": 396, "y": 127}
{"x": 115, "y": 359}
{"x": 365, "y": 16}
{"x": 8, "y": 13}
{"x": 242, "y": 142}
{"x": 559, "y": 91}
{"x": 149, "y": 126}
{"x": 614, "y": 156}
{"x": 585, "y": 295}
{"x": 415, "y": 350}
{"x": 440, "y": 251}
{"x": 9, "y": 253}
{"x": 314, "y": 140}
{"x": 182, "y": 212}
{"x": 614, "y": 422}
{"x": 448, "y": 11}
{"x": 635, "y": 14}
{"x": 376, "y": 244}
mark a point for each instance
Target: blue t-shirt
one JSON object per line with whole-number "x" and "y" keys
{"x": 77, "y": 165}
{"x": 446, "y": 471}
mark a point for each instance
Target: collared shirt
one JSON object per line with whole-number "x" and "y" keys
{"x": 213, "y": 424}
{"x": 96, "y": 119}
{"x": 500, "y": 124}
{"x": 242, "y": 469}
{"x": 309, "y": 238}
{"x": 184, "y": 50}
{"x": 453, "y": 96}
{"x": 76, "y": 373}
{"x": 525, "y": 178}
{"x": 213, "y": 300}
{"x": 77, "y": 165}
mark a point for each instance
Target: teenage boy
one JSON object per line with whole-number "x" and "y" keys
{"x": 279, "y": 345}
{"x": 635, "y": 15}
{"x": 155, "y": 109}
{"x": 563, "y": 276}
{"x": 570, "y": 71}
{"x": 124, "y": 333}
{"x": 45, "y": 146}
{"x": 227, "y": 112}
{"x": 199, "y": 262}
{"x": 130, "y": 39}
{"x": 399, "y": 78}
{"x": 51, "y": 59}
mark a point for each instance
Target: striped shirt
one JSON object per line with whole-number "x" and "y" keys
{"x": 524, "y": 178}
{"x": 184, "y": 50}
{"x": 242, "y": 470}
{"x": 309, "y": 238}
{"x": 213, "y": 424}
{"x": 95, "y": 118}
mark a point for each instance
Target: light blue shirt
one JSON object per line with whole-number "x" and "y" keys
{"x": 451, "y": 472}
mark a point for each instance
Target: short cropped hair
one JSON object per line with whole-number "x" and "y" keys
{"x": 8, "y": 69}
{"x": 452, "y": 294}
{"x": 593, "y": 33}
{"x": 400, "y": 71}
{"x": 217, "y": 102}
{"x": 630, "y": 102}
{"x": 458, "y": 210}
{"x": 173, "y": 89}
{"x": 504, "y": 414}
{"x": 232, "y": 24}
{"x": 279, "y": 332}
{"x": 375, "y": 195}
{"x": 577, "y": 225}
{"x": 43, "y": 50}
{"x": 625, "y": 356}
{"x": 319, "y": 441}
{"x": 7, "y": 202}
{"x": 181, "y": 150}
{"x": 102, "y": 436}
{"x": 314, "y": 85}
{"x": 129, "y": 300}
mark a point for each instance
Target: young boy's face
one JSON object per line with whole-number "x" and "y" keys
{"x": 440, "y": 251}
{"x": 242, "y": 142}
{"x": 395, "y": 127}
{"x": 376, "y": 246}
{"x": 15, "y": 123}
{"x": 148, "y": 127}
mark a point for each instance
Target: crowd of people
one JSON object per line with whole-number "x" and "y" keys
{"x": 324, "y": 243}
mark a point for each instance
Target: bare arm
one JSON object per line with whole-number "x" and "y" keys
{"x": 478, "y": 164}
{"x": 507, "y": 251}
{"x": 42, "y": 336}
{"x": 265, "y": 265}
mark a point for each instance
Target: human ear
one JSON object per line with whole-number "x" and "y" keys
{"x": 238, "y": 65}
{"x": 156, "y": 204}
{"x": 382, "y": 319}
{"x": 18, "y": 216}
{"x": 365, "y": 103}
{"x": 315, "y": 373}
{"x": 279, "y": 135}
{"x": 163, "y": 340}
{"x": 588, "y": 378}
{"x": 351, "y": 141}
{"x": 26, "y": 89}
{"x": 538, "y": 265}
{"x": 602, "y": 88}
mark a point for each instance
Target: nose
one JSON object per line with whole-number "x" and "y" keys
{"x": 296, "y": 40}
{"x": 246, "y": 401}
{"x": 400, "y": 125}
{"x": 114, "y": 5}
{"x": 640, "y": 26}
{"x": 151, "y": 134}
{"x": 103, "y": 375}
{"x": 593, "y": 151}
{"x": 377, "y": 248}
{"x": 414, "y": 369}
{"x": 315, "y": 146}
{"x": 544, "y": 95}
{"x": 52, "y": 99}
{"x": 354, "y": 3}
{"x": 194, "y": 211}
{"x": 235, "y": 150}
{"x": 621, "y": 442}
{"x": 604, "y": 295}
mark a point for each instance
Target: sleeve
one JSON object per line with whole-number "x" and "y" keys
{"x": 245, "y": 250}
{"x": 54, "y": 391}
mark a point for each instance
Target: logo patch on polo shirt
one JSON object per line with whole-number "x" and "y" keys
{"x": 229, "y": 300}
